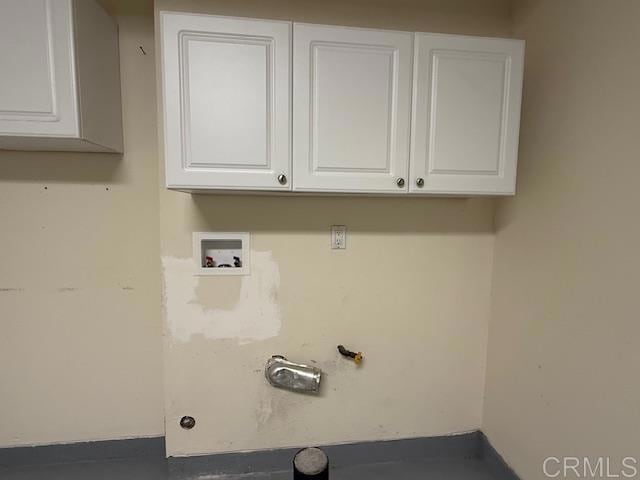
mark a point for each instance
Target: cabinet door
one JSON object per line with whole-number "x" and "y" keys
{"x": 351, "y": 105}
{"x": 226, "y": 94}
{"x": 466, "y": 114}
{"x": 37, "y": 83}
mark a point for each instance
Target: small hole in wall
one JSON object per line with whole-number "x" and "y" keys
{"x": 187, "y": 422}
{"x": 46, "y": 188}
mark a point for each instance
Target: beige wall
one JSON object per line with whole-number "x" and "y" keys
{"x": 80, "y": 341}
{"x": 563, "y": 354}
{"x": 411, "y": 291}
{"x": 80, "y": 355}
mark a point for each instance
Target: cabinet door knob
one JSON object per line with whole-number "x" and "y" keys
{"x": 282, "y": 178}
{"x": 420, "y": 182}
{"x": 400, "y": 182}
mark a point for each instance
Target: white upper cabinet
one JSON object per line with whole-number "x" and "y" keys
{"x": 60, "y": 80}
{"x": 351, "y": 108}
{"x": 255, "y": 105}
{"x": 226, "y": 91}
{"x": 466, "y": 114}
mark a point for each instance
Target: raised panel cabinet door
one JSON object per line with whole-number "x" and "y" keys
{"x": 466, "y": 114}
{"x": 226, "y": 95}
{"x": 351, "y": 106}
{"x": 37, "y": 83}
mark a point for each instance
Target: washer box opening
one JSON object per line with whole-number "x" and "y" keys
{"x": 221, "y": 253}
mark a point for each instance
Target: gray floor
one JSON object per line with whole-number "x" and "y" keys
{"x": 467, "y": 456}
{"x": 409, "y": 470}
{"x": 95, "y": 470}
{"x": 453, "y": 469}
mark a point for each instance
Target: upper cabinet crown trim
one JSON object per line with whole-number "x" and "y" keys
{"x": 231, "y": 18}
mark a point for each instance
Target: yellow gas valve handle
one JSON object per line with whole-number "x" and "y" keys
{"x": 355, "y": 356}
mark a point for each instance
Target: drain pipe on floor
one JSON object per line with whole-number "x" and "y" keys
{"x": 311, "y": 463}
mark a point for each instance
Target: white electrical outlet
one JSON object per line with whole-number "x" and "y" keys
{"x": 338, "y": 237}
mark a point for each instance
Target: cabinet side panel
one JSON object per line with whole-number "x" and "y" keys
{"x": 98, "y": 78}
